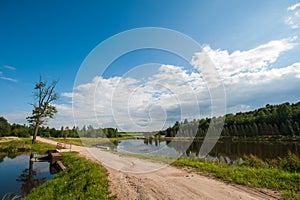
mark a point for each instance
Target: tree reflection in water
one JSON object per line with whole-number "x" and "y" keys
{"x": 226, "y": 149}
{"x": 31, "y": 178}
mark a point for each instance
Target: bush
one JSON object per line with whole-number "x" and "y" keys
{"x": 4, "y": 127}
{"x": 290, "y": 163}
{"x": 253, "y": 161}
{"x": 12, "y": 149}
{"x": 19, "y": 130}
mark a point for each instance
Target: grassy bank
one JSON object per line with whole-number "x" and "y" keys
{"x": 83, "y": 180}
{"x": 282, "y": 174}
{"x": 15, "y": 145}
{"x": 88, "y": 180}
{"x": 253, "y": 173}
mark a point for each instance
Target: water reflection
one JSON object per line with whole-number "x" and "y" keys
{"x": 227, "y": 151}
{"x": 146, "y": 147}
{"x": 30, "y": 178}
{"x": 2, "y": 156}
{"x": 20, "y": 174}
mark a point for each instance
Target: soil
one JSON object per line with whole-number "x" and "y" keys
{"x": 133, "y": 178}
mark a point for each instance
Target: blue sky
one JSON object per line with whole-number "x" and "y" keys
{"x": 53, "y": 38}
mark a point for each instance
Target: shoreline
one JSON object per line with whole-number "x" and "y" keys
{"x": 125, "y": 183}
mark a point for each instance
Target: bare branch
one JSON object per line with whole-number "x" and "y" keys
{"x": 44, "y": 95}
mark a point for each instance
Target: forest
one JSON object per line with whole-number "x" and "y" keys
{"x": 18, "y": 130}
{"x": 271, "y": 120}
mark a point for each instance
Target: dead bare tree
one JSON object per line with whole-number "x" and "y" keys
{"x": 43, "y": 110}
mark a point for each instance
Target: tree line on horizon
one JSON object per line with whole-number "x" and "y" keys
{"x": 271, "y": 120}
{"x": 19, "y": 130}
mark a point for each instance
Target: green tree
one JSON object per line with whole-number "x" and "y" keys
{"x": 4, "y": 127}
{"x": 19, "y": 130}
{"x": 91, "y": 132}
{"x": 282, "y": 119}
{"x": 185, "y": 121}
{"x": 255, "y": 129}
{"x": 290, "y": 130}
{"x": 284, "y": 112}
{"x": 297, "y": 129}
{"x": 44, "y": 96}
{"x": 66, "y": 133}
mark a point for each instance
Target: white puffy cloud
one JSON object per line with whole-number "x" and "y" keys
{"x": 157, "y": 100}
{"x": 132, "y": 104}
{"x": 293, "y": 7}
{"x": 250, "y": 78}
{"x": 257, "y": 59}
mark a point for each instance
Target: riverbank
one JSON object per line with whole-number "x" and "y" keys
{"x": 14, "y": 145}
{"x": 133, "y": 178}
{"x": 253, "y": 172}
{"x": 281, "y": 175}
{"x": 189, "y": 176}
{"x": 82, "y": 180}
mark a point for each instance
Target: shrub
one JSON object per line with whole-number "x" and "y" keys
{"x": 12, "y": 149}
{"x": 253, "y": 161}
{"x": 290, "y": 163}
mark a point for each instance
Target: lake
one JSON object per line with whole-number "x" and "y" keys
{"x": 19, "y": 175}
{"x": 224, "y": 150}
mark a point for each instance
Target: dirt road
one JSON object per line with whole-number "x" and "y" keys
{"x": 132, "y": 178}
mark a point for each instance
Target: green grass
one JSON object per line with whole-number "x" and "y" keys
{"x": 253, "y": 172}
{"x": 8, "y": 139}
{"x": 272, "y": 178}
{"x": 9, "y": 196}
{"x": 74, "y": 141}
{"x": 83, "y": 180}
{"x": 41, "y": 147}
{"x": 15, "y": 145}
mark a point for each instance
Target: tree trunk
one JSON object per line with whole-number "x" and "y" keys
{"x": 36, "y": 128}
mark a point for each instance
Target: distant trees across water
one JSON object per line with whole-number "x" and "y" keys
{"x": 18, "y": 130}
{"x": 272, "y": 120}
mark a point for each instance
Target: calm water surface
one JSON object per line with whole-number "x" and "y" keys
{"x": 18, "y": 175}
{"x": 223, "y": 150}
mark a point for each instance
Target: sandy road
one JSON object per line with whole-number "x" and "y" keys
{"x": 133, "y": 178}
